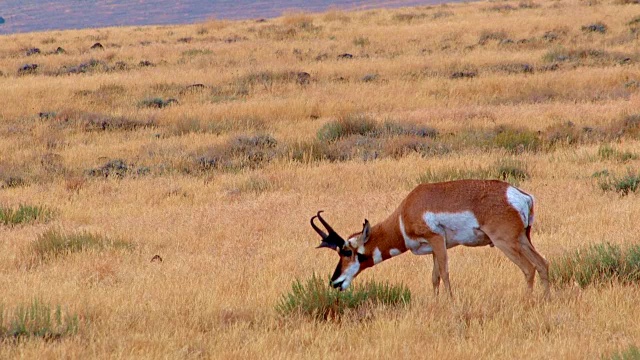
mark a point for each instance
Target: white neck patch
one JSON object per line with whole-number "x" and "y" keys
{"x": 348, "y": 275}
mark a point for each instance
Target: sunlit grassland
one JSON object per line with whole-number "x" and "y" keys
{"x": 222, "y": 183}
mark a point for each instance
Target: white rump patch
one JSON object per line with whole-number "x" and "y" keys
{"x": 377, "y": 256}
{"x": 394, "y": 252}
{"x": 522, "y": 203}
{"x": 457, "y": 228}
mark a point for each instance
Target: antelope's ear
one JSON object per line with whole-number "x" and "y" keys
{"x": 366, "y": 231}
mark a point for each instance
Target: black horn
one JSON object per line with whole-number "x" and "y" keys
{"x": 317, "y": 229}
{"x": 332, "y": 240}
{"x": 326, "y": 225}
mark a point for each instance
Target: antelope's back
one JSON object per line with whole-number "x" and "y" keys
{"x": 488, "y": 200}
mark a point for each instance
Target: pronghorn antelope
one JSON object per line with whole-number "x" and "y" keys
{"x": 435, "y": 217}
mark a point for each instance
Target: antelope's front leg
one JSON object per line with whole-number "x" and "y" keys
{"x": 438, "y": 243}
{"x": 435, "y": 277}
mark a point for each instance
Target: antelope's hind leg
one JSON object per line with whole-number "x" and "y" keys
{"x": 540, "y": 263}
{"x": 512, "y": 249}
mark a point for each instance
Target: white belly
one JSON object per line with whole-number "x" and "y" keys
{"x": 458, "y": 228}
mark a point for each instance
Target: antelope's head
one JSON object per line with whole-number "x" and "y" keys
{"x": 352, "y": 253}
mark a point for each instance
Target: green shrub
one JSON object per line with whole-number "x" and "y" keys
{"x": 630, "y": 353}
{"x": 36, "y": 320}
{"x": 24, "y": 214}
{"x": 597, "y": 264}
{"x": 317, "y": 300}
{"x": 53, "y": 244}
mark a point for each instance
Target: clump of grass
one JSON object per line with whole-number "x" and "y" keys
{"x": 564, "y": 134}
{"x": 512, "y": 171}
{"x": 515, "y": 139}
{"x": 391, "y": 128}
{"x": 629, "y": 183}
{"x": 24, "y": 214}
{"x": 54, "y": 244}
{"x": 363, "y": 125}
{"x": 408, "y": 17}
{"x": 361, "y": 41}
{"x": 630, "y": 353}
{"x": 347, "y": 126}
{"x": 450, "y": 174}
{"x": 317, "y": 300}
{"x": 598, "y": 264}
{"x": 255, "y": 185}
{"x": 215, "y": 126}
{"x": 98, "y": 122}
{"x": 606, "y": 152}
{"x": 37, "y": 320}
{"x": 157, "y": 102}
{"x": 628, "y": 126}
{"x": 400, "y": 146}
{"x": 239, "y": 153}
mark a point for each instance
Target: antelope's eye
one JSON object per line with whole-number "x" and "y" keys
{"x": 362, "y": 258}
{"x": 345, "y": 252}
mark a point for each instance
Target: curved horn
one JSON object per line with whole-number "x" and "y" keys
{"x": 316, "y": 228}
{"x": 326, "y": 225}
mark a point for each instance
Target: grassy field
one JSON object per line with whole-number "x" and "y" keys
{"x": 213, "y": 144}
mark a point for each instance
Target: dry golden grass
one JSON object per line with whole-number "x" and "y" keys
{"x": 233, "y": 239}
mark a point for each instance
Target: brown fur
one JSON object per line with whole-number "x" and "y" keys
{"x": 499, "y": 224}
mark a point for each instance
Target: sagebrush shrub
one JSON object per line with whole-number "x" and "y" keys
{"x": 597, "y": 264}
{"x": 316, "y": 299}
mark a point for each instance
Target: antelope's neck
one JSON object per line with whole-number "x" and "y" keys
{"x": 386, "y": 240}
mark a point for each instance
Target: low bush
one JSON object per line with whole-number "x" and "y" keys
{"x": 36, "y": 320}
{"x": 317, "y": 300}
{"x": 597, "y": 264}
{"x": 24, "y": 214}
